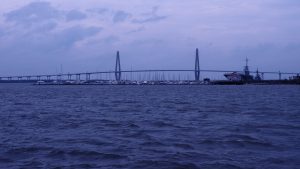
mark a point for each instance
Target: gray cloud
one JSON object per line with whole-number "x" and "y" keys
{"x": 68, "y": 37}
{"x": 265, "y": 31}
{"x": 97, "y": 10}
{"x": 44, "y": 50}
{"x": 37, "y": 13}
{"x": 1, "y": 32}
{"x": 33, "y": 12}
{"x": 44, "y": 44}
{"x": 120, "y": 16}
{"x": 75, "y": 15}
{"x": 150, "y": 17}
{"x": 281, "y": 4}
{"x": 111, "y": 39}
{"x": 44, "y": 27}
{"x": 140, "y": 29}
{"x": 148, "y": 42}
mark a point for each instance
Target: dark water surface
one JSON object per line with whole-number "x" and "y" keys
{"x": 155, "y": 127}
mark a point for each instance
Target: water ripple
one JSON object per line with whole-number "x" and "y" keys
{"x": 163, "y": 127}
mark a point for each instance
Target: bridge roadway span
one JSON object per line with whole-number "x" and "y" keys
{"x": 88, "y": 74}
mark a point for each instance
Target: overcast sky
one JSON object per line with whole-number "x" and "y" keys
{"x": 83, "y": 35}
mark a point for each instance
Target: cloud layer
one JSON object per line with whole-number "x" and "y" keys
{"x": 84, "y": 35}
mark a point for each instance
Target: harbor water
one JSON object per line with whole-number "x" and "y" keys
{"x": 149, "y": 127}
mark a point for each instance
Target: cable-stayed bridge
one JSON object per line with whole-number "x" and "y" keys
{"x": 149, "y": 74}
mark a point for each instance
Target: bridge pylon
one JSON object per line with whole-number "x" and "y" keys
{"x": 118, "y": 72}
{"x": 197, "y": 66}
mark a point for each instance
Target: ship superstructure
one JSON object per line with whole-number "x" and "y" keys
{"x": 237, "y": 76}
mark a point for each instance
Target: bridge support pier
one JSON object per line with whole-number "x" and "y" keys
{"x": 77, "y": 77}
{"x": 118, "y": 72}
{"x": 279, "y": 75}
{"x": 88, "y": 77}
{"x": 197, "y": 66}
{"x": 69, "y": 77}
{"x": 58, "y": 78}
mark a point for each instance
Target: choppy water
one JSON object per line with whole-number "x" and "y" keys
{"x": 168, "y": 127}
